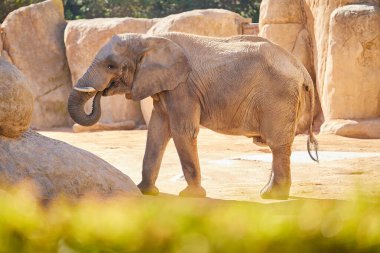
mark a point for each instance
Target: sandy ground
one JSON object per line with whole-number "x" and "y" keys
{"x": 233, "y": 168}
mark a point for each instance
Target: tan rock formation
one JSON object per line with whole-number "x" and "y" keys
{"x": 58, "y": 168}
{"x": 340, "y": 40}
{"x": 358, "y": 56}
{"x": 357, "y": 128}
{"x": 251, "y": 29}
{"x": 83, "y": 39}
{"x": 33, "y": 38}
{"x": 320, "y": 19}
{"x": 16, "y": 101}
{"x": 4, "y": 54}
{"x": 351, "y": 85}
{"x": 210, "y": 22}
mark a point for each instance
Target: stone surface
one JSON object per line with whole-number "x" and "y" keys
{"x": 16, "y": 101}
{"x": 58, "y": 168}
{"x": 209, "y": 22}
{"x": 83, "y": 39}
{"x": 351, "y": 84}
{"x": 251, "y": 28}
{"x": 146, "y": 108}
{"x": 124, "y": 125}
{"x": 33, "y": 38}
{"x": 4, "y": 54}
{"x": 321, "y": 11}
{"x": 359, "y": 128}
{"x": 284, "y": 35}
{"x": 346, "y": 89}
{"x": 280, "y": 12}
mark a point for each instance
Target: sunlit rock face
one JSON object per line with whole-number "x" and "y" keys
{"x": 33, "y": 39}
{"x": 57, "y": 168}
{"x": 339, "y": 44}
{"x": 16, "y": 101}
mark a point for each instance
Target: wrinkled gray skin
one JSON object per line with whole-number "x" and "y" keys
{"x": 243, "y": 85}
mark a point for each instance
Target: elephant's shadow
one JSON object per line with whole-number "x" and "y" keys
{"x": 284, "y": 207}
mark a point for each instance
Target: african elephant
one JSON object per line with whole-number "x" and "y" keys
{"x": 229, "y": 85}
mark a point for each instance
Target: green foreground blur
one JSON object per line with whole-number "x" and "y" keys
{"x": 170, "y": 224}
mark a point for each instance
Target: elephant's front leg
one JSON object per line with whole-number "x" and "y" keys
{"x": 279, "y": 182}
{"x": 184, "y": 132}
{"x": 158, "y": 137}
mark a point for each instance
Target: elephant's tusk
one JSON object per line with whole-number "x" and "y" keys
{"x": 85, "y": 89}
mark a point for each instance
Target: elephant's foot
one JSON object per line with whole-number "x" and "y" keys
{"x": 193, "y": 192}
{"x": 148, "y": 189}
{"x": 276, "y": 190}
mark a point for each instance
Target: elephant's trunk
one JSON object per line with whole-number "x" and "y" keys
{"x": 76, "y": 104}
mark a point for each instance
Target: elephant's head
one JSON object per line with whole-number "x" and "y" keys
{"x": 132, "y": 64}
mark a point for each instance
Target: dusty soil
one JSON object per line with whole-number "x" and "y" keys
{"x": 228, "y": 174}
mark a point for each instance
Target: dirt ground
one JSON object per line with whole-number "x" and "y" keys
{"x": 233, "y": 168}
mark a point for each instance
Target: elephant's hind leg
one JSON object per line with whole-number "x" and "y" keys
{"x": 279, "y": 182}
{"x": 278, "y": 130}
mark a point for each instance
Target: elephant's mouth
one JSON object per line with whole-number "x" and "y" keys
{"x": 111, "y": 85}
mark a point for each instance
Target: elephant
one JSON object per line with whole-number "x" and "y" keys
{"x": 243, "y": 85}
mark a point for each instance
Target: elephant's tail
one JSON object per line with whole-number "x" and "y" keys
{"x": 309, "y": 90}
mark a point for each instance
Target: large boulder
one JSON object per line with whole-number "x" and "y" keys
{"x": 16, "y": 101}
{"x": 338, "y": 42}
{"x": 209, "y": 22}
{"x": 58, "y": 168}
{"x": 346, "y": 56}
{"x": 33, "y": 38}
{"x": 351, "y": 84}
{"x": 83, "y": 39}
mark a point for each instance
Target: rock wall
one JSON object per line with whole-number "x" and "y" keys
{"x": 251, "y": 28}
{"x": 209, "y": 22}
{"x": 343, "y": 56}
{"x": 83, "y": 39}
{"x": 354, "y": 44}
{"x": 33, "y": 38}
{"x": 344, "y": 88}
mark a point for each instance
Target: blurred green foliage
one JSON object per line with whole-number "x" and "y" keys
{"x": 77, "y": 9}
{"x": 183, "y": 225}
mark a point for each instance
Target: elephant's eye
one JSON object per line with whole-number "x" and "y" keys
{"x": 111, "y": 66}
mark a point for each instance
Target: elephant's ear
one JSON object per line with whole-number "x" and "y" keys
{"x": 162, "y": 66}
